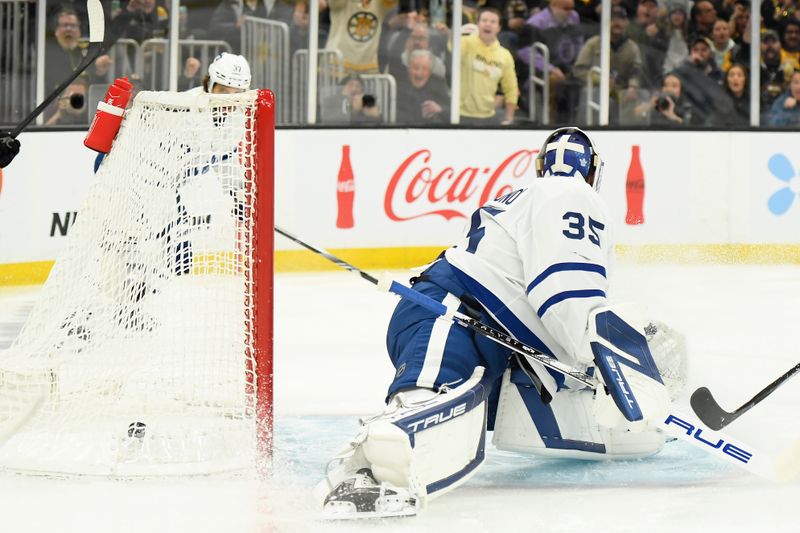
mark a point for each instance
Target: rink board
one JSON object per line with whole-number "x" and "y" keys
{"x": 709, "y": 196}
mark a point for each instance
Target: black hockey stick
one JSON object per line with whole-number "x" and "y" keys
{"x": 459, "y": 318}
{"x": 715, "y": 417}
{"x": 97, "y": 30}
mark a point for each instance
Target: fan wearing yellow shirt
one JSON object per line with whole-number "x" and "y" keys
{"x": 485, "y": 65}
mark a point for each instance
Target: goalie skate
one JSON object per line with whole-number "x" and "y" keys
{"x": 361, "y": 496}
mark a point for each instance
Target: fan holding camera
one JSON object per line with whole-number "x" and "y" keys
{"x": 71, "y": 108}
{"x": 668, "y": 107}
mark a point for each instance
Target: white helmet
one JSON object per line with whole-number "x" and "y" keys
{"x": 230, "y": 70}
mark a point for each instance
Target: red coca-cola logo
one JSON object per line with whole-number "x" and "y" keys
{"x": 417, "y": 185}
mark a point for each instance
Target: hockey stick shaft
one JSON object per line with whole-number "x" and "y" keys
{"x": 680, "y": 425}
{"x": 96, "y": 36}
{"x": 712, "y": 414}
{"x": 459, "y": 318}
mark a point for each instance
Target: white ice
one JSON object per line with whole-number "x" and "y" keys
{"x": 742, "y": 324}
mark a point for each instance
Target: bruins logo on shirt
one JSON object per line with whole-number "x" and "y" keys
{"x": 362, "y": 26}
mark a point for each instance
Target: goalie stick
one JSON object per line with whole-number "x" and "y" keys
{"x": 459, "y": 318}
{"x": 97, "y": 30}
{"x": 715, "y": 417}
{"x": 677, "y": 424}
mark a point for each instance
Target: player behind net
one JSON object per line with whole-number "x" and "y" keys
{"x": 211, "y": 173}
{"x": 534, "y": 262}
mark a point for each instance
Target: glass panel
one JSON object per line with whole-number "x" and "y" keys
{"x": 17, "y": 60}
{"x": 671, "y": 66}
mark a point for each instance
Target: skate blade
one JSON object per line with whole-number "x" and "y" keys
{"x": 373, "y": 515}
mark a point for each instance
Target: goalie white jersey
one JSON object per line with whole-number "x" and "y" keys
{"x": 537, "y": 259}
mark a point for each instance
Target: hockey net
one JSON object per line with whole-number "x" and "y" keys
{"x": 148, "y": 352}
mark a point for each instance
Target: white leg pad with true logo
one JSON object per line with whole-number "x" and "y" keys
{"x": 564, "y": 428}
{"x": 427, "y": 446}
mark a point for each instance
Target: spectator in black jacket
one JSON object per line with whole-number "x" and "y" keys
{"x": 421, "y": 97}
{"x": 701, "y": 85}
{"x": 738, "y": 91}
{"x": 652, "y": 39}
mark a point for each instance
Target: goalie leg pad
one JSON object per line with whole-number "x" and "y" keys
{"x": 425, "y": 447}
{"x": 565, "y": 428}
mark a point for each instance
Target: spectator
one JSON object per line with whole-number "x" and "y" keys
{"x": 345, "y": 106}
{"x": 516, "y": 15}
{"x": 485, "y": 64}
{"x": 724, "y": 8}
{"x": 703, "y": 17}
{"x": 736, "y": 86}
{"x": 785, "y": 111}
{"x": 397, "y": 25}
{"x": 141, "y": 20}
{"x": 739, "y": 22}
{"x": 652, "y": 39}
{"x": 775, "y": 70}
{"x": 356, "y": 31}
{"x": 776, "y": 67}
{"x": 64, "y": 54}
{"x": 791, "y": 42}
{"x": 777, "y": 12}
{"x": 721, "y": 42}
{"x": 418, "y": 39}
{"x": 558, "y": 27}
{"x": 678, "y": 32}
{"x": 626, "y": 64}
{"x": 71, "y": 106}
{"x": 669, "y": 108}
{"x": 228, "y": 17}
{"x": 421, "y": 97}
{"x": 701, "y": 85}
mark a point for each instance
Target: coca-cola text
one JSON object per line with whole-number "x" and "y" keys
{"x": 416, "y": 183}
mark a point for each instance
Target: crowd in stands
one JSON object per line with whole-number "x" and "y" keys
{"x": 674, "y": 63}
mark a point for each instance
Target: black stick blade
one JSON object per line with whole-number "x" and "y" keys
{"x": 709, "y": 411}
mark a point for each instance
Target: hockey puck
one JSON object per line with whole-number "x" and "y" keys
{"x": 136, "y": 430}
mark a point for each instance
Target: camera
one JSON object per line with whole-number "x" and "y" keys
{"x": 77, "y": 101}
{"x": 662, "y": 102}
{"x": 368, "y": 100}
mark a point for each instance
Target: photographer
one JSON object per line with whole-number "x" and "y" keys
{"x": 668, "y": 108}
{"x": 369, "y": 112}
{"x": 350, "y": 105}
{"x": 71, "y": 108}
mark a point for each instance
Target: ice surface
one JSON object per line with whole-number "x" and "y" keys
{"x": 331, "y": 366}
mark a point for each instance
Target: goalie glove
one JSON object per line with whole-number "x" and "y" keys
{"x": 633, "y": 385}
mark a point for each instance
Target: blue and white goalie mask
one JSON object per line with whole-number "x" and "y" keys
{"x": 570, "y": 152}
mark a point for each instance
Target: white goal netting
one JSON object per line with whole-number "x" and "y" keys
{"x": 138, "y": 357}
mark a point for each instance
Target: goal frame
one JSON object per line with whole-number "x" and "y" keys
{"x": 263, "y": 275}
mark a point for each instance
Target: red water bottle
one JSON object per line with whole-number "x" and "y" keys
{"x": 108, "y": 117}
{"x": 345, "y": 191}
{"x": 634, "y": 189}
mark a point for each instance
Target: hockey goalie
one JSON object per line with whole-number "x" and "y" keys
{"x": 536, "y": 264}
